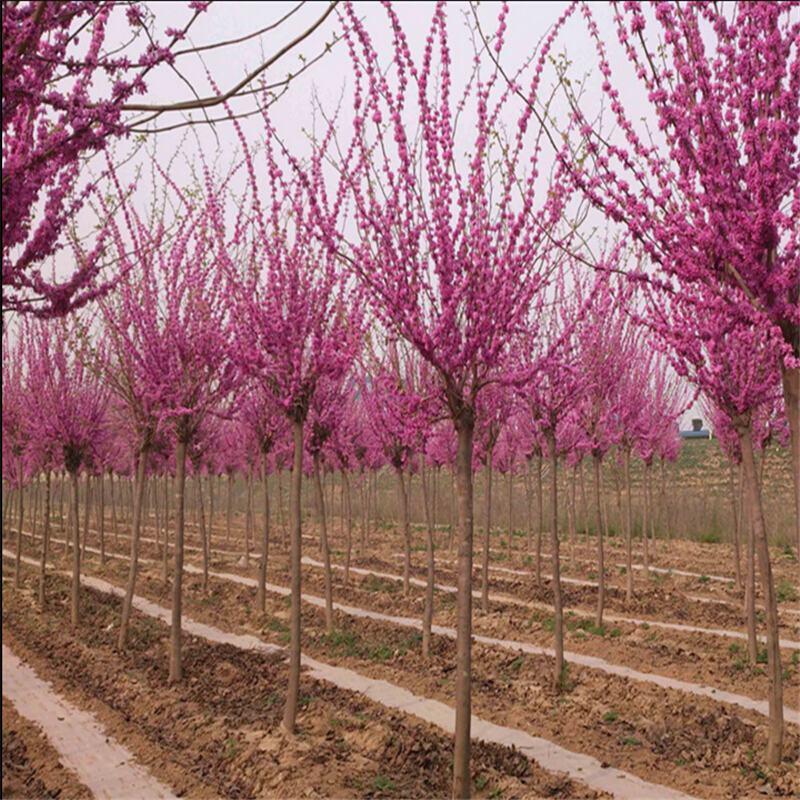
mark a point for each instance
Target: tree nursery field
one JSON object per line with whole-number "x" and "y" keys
{"x": 349, "y": 351}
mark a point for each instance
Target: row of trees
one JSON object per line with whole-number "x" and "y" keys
{"x": 385, "y": 234}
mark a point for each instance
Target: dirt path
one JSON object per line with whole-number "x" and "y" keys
{"x": 103, "y": 765}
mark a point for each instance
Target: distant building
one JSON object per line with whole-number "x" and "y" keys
{"x": 697, "y": 431}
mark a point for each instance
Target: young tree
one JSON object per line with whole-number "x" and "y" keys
{"x": 449, "y": 250}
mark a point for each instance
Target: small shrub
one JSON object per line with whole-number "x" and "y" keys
{"x": 785, "y": 591}
{"x": 761, "y": 658}
{"x": 631, "y": 740}
{"x": 704, "y": 579}
{"x": 614, "y": 633}
{"x": 480, "y": 782}
{"x": 610, "y": 716}
{"x": 383, "y": 783}
{"x": 710, "y": 538}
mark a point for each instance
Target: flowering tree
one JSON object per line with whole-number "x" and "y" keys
{"x": 449, "y": 251}
{"x": 56, "y": 115}
{"x": 296, "y": 323}
{"x": 69, "y": 409}
{"x": 713, "y": 199}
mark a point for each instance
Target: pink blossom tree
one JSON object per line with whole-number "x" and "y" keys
{"x": 449, "y": 251}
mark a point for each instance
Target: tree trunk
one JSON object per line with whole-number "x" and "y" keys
{"x": 427, "y": 614}
{"x": 205, "y": 544}
{"x": 510, "y": 486}
{"x": 61, "y": 503}
{"x": 573, "y": 516}
{"x": 737, "y": 563}
{"x": 210, "y": 482}
{"x": 626, "y": 456}
{"x": 558, "y": 609}
{"x": 646, "y": 520}
{"x": 102, "y": 519}
{"x": 35, "y": 504}
{"x": 363, "y": 497}
{"x": 774, "y": 669}
{"x": 529, "y": 502}
{"x": 21, "y": 520}
{"x": 261, "y": 591}
{"x": 229, "y": 510}
{"x": 293, "y": 689}
{"x": 165, "y": 548}
{"x": 127, "y": 603}
{"x": 75, "y": 522}
{"x": 750, "y": 588}
{"x": 248, "y": 519}
{"x": 114, "y": 524}
{"x": 323, "y": 539}
{"x": 487, "y": 533}
{"x": 539, "y": 519}
{"x": 451, "y": 532}
{"x": 281, "y": 517}
{"x": 598, "y": 516}
{"x": 402, "y": 500}
{"x": 45, "y": 539}
{"x": 348, "y": 515}
{"x": 791, "y": 396}
{"x": 463, "y": 699}
{"x": 175, "y": 663}
{"x": 87, "y": 482}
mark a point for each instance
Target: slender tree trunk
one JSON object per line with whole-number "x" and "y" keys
{"x": 8, "y": 494}
{"x": 364, "y": 514}
{"x": 558, "y": 608}
{"x": 402, "y": 501}
{"x": 293, "y": 689}
{"x": 281, "y": 517}
{"x": 114, "y": 524}
{"x": 102, "y": 518}
{"x": 35, "y": 504}
{"x": 539, "y": 519}
{"x": 529, "y": 502}
{"x": 434, "y": 498}
{"x": 750, "y": 588}
{"x": 601, "y": 572}
{"x": 487, "y": 533}
{"x": 61, "y": 503}
{"x": 21, "y": 520}
{"x": 87, "y": 482}
{"x": 248, "y": 526}
{"x": 165, "y": 548}
{"x": 127, "y": 603}
{"x": 737, "y": 563}
{"x": 175, "y": 662}
{"x": 626, "y": 455}
{"x": 584, "y": 510}
{"x": 774, "y": 669}
{"x": 463, "y": 700}
{"x": 229, "y": 510}
{"x": 210, "y": 483}
{"x": 203, "y": 532}
{"x": 510, "y": 487}
{"x": 326, "y": 553}
{"x": 261, "y": 591}
{"x": 348, "y": 514}
{"x": 791, "y": 395}
{"x": 76, "y": 553}
{"x": 647, "y": 519}
{"x": 45, "y": 539}
{"x": 451, "y": 532}
{"x": 573, "y": 515}
{"x": 427, "y": 614}
{"x": 156, "y": 510}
